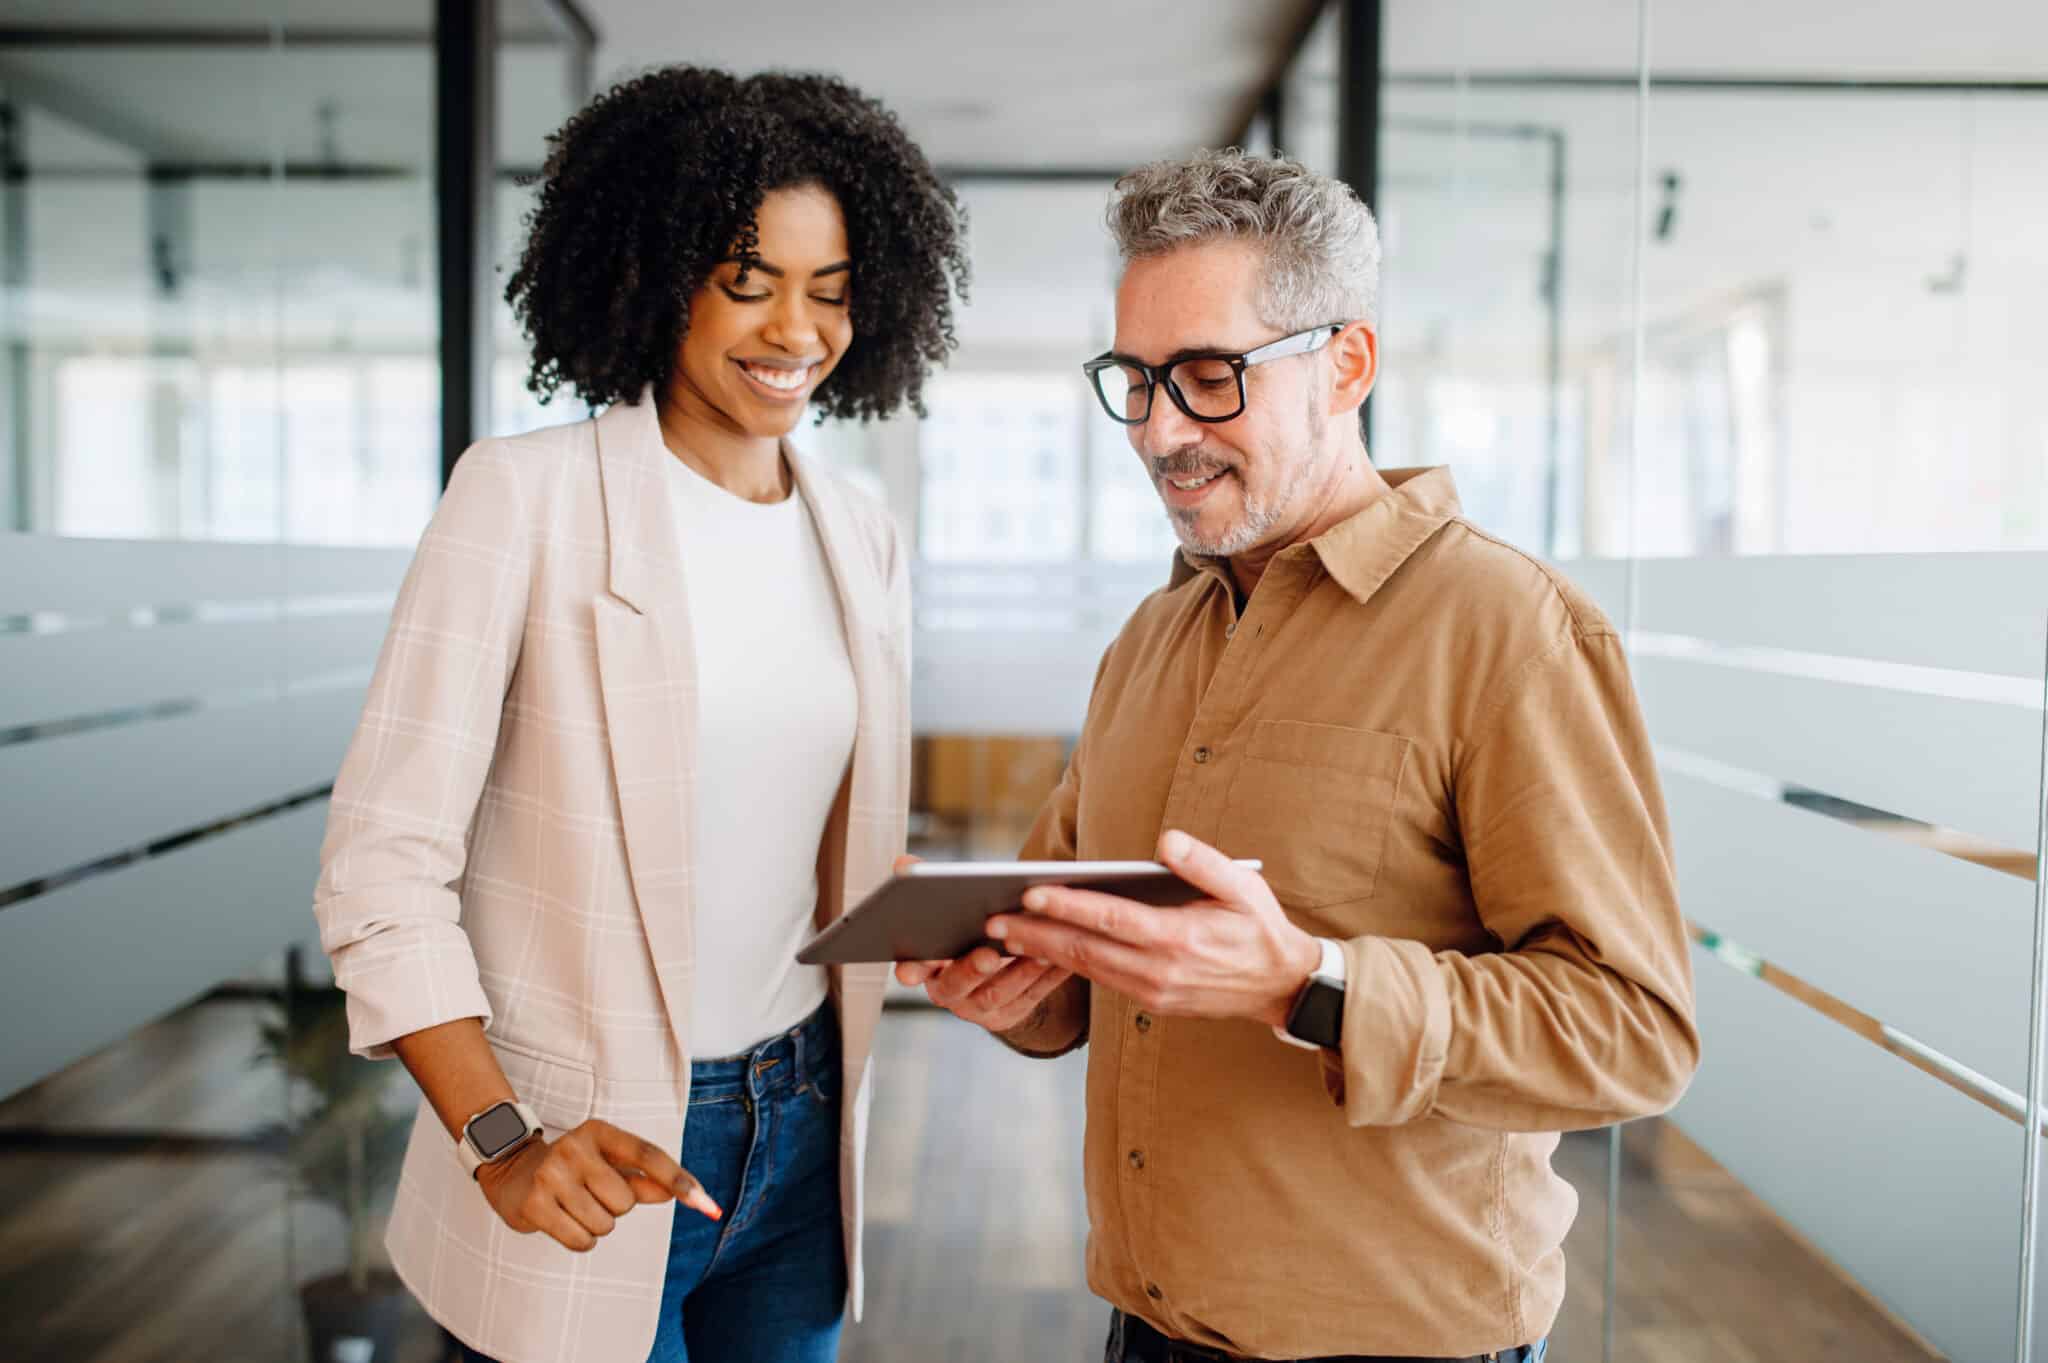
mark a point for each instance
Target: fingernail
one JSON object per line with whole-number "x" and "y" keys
{"x": 1175, "y": 845}
{"x": 988, "y": 965}
{"x": 998, "y": 929}
{"x": 1034, "y": 900}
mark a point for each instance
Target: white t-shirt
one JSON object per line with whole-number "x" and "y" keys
{"x": 775, "y": 725}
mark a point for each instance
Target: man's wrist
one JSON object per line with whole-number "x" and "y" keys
{"x": 1028, "y": 1038}
{"x": 1305, "y": 953}
{"x": 1330, "y": 967}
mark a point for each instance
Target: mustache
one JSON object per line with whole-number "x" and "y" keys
{"x": 1190, "y": 462}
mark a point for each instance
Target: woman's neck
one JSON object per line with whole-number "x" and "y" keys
{"x": 704, "y": 438}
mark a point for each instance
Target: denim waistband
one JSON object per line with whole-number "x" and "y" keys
{"x": 784, "y": 1062}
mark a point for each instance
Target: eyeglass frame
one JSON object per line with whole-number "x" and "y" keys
{"x": 1158, "y": 375}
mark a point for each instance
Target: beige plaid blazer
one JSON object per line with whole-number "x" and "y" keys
{"x": 510, "y": 839}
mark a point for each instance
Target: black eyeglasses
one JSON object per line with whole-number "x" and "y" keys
{"x": 1208, "y": 386}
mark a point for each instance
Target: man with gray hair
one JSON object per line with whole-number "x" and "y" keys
{"x": 1466, "y": 926}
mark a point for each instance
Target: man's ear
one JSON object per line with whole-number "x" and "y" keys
{"x": 1355, "y": 363}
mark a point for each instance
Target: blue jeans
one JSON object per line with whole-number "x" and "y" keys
{"x": 767, "y": 1284}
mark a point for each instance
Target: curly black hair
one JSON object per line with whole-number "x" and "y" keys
{"x": 659, "y": 178}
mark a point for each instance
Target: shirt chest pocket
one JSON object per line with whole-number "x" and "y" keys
{"x": 1313, "y": 801}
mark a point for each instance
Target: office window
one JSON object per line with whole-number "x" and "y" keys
{"x": 1127, "y": 522}
{"x": 1000, "y": 463}
{"x": 197, "y": 283}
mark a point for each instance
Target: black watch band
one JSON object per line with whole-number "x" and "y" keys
{"x": 1318, "y": 1013}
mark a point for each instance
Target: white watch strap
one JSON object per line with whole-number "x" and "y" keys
{"x": 466, "y": 1152}
{"x": 1333, "y": 967}
{"x": 1330, "y": 968}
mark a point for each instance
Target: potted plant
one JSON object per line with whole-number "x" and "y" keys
{"x": 346, "y": 1137}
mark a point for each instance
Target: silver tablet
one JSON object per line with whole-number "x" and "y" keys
{"x": 936, "y": 910}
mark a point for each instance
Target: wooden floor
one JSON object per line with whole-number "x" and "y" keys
{"x": 144, "y": 1219}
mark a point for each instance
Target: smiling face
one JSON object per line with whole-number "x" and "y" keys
{"x": 756, "y": 349}
{"x": 1228, "y": 486}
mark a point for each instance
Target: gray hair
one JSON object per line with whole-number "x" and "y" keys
{"x": 1322, "y": 248}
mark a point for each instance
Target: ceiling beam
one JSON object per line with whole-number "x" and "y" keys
{"x": 569, "y": 19}
{"x": 575, "y": 26}
{"x": 1604, "y": 80}
{"x": 244, "y": 35}
{"x": 1308, "y": 12}
{"x": 1031, "y": 175}
{"x": 100, "y": 116}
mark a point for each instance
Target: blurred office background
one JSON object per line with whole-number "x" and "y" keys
{"x": 1734, "y": 310}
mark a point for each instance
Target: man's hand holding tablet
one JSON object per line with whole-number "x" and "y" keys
{"x": 985, "y": 987}
{"x": 1230, "y": 952}
{"x": 1224, "y": 950}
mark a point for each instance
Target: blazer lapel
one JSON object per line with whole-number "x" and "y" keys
{"x": 647, "y": 670}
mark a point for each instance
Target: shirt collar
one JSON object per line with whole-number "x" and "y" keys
{"x": 1361, "y": 553}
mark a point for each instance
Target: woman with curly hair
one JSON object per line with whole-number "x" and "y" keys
{"x": 639, "y": 727}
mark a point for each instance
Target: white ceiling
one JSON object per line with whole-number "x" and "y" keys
{"x": 1057, "y": 82}
{"x": 1054, "y": 82}
{"x": 889, "y": 43}
{"x": 1060, "y": 83}
{"x": 1066, "y": 84}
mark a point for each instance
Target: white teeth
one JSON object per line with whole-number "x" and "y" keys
{"x": 1199, "y": 482}
{"x": 789, "y": 380}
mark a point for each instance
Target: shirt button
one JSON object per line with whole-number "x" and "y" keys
{"x": 1152, "y": 1291}
{"x": 1201, "y": 754}
{"x": 1230, "y": 630}
{"x": 1137, "y": 1159}
{"x": 1143, "y": 1022}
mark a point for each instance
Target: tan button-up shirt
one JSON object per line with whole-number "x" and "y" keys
{"x": 1432, "y": 742}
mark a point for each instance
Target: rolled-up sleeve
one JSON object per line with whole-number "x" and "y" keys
{"x": 1584, "y": 1016}
{"x": 398, "y": 825}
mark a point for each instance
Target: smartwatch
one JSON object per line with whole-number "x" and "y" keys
{"x": 1317, "y": 1018}
{"x": 494, "y": 1133}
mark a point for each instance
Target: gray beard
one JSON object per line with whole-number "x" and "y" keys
{"x": 1259, "y": 518}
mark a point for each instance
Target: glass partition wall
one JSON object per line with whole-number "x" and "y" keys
{"x": 218, "y": 301}
{"x": 1742, "y": 348}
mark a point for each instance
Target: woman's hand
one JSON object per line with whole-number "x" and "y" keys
{"x": 576, "y": 1188}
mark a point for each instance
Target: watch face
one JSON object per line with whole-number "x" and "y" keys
{"x": 497, "y": 1130}
{"x": 1319, "y": 1017}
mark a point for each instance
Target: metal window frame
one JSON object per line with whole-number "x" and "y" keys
{"x": 465, "y": 135}
{"x": 466, "y": 41}
{"x": 1360, "y": 76}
